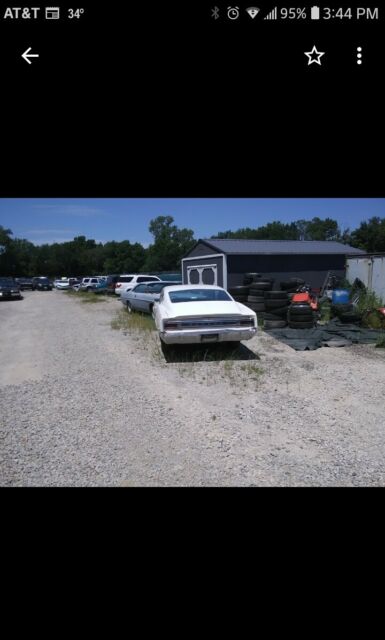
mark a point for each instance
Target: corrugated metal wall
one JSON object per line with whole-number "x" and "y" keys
{"x": 370, "y": 270}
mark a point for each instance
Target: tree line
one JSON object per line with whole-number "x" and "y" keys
{"x": 82, "y": 256}
{"x": 369, "y": 236}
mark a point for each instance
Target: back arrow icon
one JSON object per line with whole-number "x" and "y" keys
{"x": 26, "y": 55}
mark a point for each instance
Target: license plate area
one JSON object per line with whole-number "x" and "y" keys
{"x": 210, "y": 337}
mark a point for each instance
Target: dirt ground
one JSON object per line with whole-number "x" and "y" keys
{"x": 264, "y": 415}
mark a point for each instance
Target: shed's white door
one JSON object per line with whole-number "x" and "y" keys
{"x": 202, "y": 274}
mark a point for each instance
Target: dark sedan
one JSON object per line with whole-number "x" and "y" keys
{"x": 41, "y": 284}
{"x": 9, "y": 289}
{"x": 24, "y": 283}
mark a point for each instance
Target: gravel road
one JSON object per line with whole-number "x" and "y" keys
{"x": 82, "y": 404}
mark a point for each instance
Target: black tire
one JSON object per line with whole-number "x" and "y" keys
{"x": 275, "y": 295}
{"x": 301, "y": 325}
{"x": 256, "y": 306}
{"x": 249, "y": 277}
{"x": 300, "y": 309}
{"x": 270, "y": 316}
{"x": 350, "y": 316}
{"x": 240, "y": 290}
{"x": 338, "y": 309}
{"x": 258, "y": 286}
{"x": 259, "y": 299}
{"x": 280, "y": 311}
{"x": 299, "y": 318}
{"x": 274, "y": 304}
{"x": 242, "y": 299}
{"x": 292, "y": 283}
{"x": 129, "y": 307}
{"x": 274, "y": 324}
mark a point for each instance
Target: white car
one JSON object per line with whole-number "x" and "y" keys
{"x": 127, "y": 282}
{"x": 187, "y": 314}
{"x": 65, "y": 283}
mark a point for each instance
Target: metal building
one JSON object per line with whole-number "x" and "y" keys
{"x": 370, "y": 269}
{"x": 224, "y": 262}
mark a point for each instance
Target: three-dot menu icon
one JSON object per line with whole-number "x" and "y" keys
{"x": 359, "y": 55}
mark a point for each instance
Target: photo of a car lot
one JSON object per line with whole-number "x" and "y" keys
{"x": 194, "y": 374}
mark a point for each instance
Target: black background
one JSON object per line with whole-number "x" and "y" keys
{"x": 160, "y": 99}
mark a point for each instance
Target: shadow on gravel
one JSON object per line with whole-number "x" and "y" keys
{"x": 208, "y": 353}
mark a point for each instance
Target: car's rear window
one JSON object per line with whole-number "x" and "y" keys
{"x": 199, "y": 295}
{"x": 125, "y": 278}
{"x": 147, "y": 279}
{"x": 155, "y": 287}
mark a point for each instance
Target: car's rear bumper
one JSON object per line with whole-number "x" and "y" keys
{"x": 10, "y": 296}
{"x": 194, "y": 336}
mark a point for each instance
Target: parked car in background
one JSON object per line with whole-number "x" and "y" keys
{"x": 24, "y": 283}
{"x": 129, "y": 281}
{"x": 142, "y": 296}
{"x": 67, "y": 283}
{"x": 93, "y": 283}
{"x": 9, "y": 289}
{"x": 111, "y": 282}
{"x": 41, "y": 284}
{"x": 187, "y": 314}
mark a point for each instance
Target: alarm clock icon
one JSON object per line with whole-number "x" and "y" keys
{"x": 233, "y": 13}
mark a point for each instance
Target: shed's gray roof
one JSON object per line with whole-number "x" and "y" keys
{"x": 280, "y": 246}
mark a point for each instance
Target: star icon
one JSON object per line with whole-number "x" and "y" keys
{"x": 314, "y": 55}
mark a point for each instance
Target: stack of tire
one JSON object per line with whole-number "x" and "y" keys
{"x": 257, "y": 288}
{"x": 345, "y": 313}
{"x": 301, "y": 316}
{"x": 241, "y": 293}
{"x": 276, "y": 308}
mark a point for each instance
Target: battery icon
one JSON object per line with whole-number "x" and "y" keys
{"x": 314, "y": 13}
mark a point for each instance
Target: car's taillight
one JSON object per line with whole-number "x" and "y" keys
{"x": 171, "y": 325}
{"x": 117, "y": 286}
{"x": 249, "y": 322}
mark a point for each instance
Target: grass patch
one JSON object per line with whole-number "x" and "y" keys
{"x": 251, "y": 370}
{"x": 133, "y": 322}
{"x": 87, "y": 297}
{"x": 380, "y": 344}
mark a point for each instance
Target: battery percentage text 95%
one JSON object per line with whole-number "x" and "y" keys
{"x": 75, "y": 13}
{"x": 292, "y": 14}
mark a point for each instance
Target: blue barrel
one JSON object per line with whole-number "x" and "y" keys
{"x": 340, "y": 296}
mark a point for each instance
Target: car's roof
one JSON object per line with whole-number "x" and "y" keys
{"x": 157, "y": 282}
{"x": 186, "y": 287}
{"x": 135, "y": 275}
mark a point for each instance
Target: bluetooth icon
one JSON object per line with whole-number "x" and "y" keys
{"x": 215, "y": 13}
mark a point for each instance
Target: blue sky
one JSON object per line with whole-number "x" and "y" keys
{"x": 43, "y": 220}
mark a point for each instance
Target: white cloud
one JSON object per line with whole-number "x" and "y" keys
{"x": 69, "y": 209}
{"x": 33, "y": 232}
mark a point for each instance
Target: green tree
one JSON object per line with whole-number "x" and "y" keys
{"x": 327, "y": 229}
{"x": 170, "y": 245}
{"x": 370, "y": 235}
{"x": 5, "y": 251}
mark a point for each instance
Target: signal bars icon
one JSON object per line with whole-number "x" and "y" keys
{"x": 272, "y": 15}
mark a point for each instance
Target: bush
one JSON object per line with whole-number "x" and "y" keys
{"x": 367, "y": 306}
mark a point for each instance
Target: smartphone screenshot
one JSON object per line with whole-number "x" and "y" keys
{"x": 192, "y": 244}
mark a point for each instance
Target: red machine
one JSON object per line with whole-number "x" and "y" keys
{"x": 305, "y": 295}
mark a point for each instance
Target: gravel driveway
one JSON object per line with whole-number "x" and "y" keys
{"x": 82, "y": 404}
